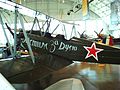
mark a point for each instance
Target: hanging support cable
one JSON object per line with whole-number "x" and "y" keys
{"x": 65, "y": 31}
{"x": 48, "y": 26}
{"x": 5, "y": 18}
{"x": 48, "y": 21}
{"x": 39, "y": 26}
{"x": 26, "y": 38}
{"x": 33, "y": 25}
{"x": 55, "y": 28}
{"x": 24, "y": 18}
{"x": 36, "y": 21}
{"x": 73, "y": 30}
{"x": 43, "y": 26}
{"x": 11, "y": 51}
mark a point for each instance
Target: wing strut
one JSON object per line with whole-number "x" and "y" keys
{"x": 25, "y": 34}
{"x": 11, "y": 51}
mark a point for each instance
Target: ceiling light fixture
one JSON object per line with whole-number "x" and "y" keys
{"x": 63, "y": 1}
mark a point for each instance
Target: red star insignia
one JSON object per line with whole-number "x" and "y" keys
{"x": 92, "y": 51}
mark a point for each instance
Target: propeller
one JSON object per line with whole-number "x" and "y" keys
{"x": 98, "y": 34}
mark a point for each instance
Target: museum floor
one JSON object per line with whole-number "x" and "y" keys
{"x": 93, "y": 76}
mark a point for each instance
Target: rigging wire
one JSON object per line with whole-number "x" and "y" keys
{"x": 5, "y": 18}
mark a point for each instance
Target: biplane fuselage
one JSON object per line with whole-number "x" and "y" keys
{"x": 75, "y": 49}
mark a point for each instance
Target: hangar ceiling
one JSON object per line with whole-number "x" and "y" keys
{"x": 60, "y": 8}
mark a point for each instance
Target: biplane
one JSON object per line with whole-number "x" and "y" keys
{"x": 53, "y": 53}
{"x": 75, "y": 49}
